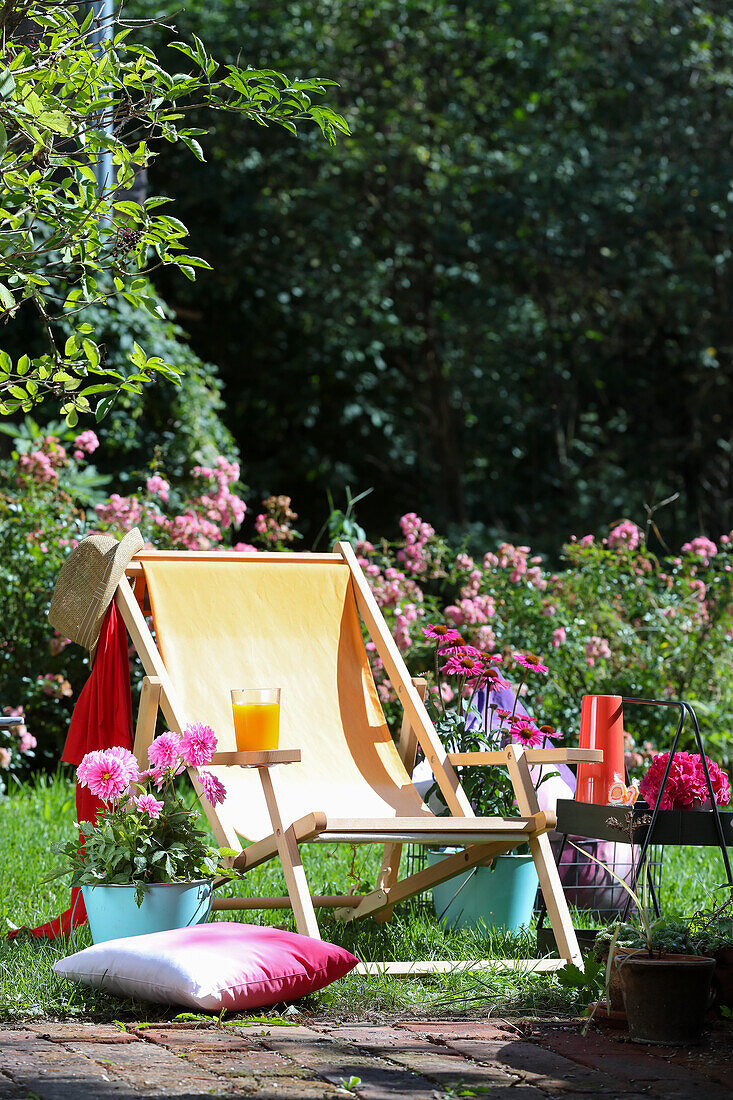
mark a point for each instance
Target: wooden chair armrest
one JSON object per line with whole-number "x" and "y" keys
{"x": 534, "y": 756}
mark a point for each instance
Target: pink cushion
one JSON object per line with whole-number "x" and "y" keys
{"x": 211, "y": 966}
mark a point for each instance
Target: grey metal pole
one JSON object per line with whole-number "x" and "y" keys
{"x": 104, "y": 11}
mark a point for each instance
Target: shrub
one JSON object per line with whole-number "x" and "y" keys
{"x": 615, "y": 618}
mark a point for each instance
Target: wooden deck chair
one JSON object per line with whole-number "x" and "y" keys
{"x": 226, "y": 620}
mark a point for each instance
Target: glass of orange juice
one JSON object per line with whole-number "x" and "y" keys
{"x": 256, "y": 718}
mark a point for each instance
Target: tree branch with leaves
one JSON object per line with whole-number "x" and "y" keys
{"x": 67, "y": 99}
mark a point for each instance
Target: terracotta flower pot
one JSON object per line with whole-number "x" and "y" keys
{"x": 666, "y": 999}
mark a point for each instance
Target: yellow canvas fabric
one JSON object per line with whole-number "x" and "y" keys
{"x": 292, "y": 625}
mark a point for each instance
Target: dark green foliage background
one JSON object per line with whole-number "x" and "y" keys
{"x": 505, "y": 300}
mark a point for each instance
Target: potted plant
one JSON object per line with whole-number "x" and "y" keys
{"x": 502, "y": 893}
{"x": 665, "y": 981}
{"x": 144, "y": 864}
{"x": 712, "y": 935}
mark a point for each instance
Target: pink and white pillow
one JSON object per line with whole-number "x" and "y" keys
{"x": 211, "y": 966}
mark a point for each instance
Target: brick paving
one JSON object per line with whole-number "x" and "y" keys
{"x": 399, "y": 1060}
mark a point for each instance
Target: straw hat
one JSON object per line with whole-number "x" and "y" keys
{"x": 86, "y": 585}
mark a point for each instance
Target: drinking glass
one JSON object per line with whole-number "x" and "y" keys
{"x": 256, "y": 718}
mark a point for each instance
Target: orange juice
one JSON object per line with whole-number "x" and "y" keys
{"x": 256, "y": 726}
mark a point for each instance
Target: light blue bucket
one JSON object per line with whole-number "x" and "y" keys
{"x": 502, "y": 898}
{"x": 113, "y": 913}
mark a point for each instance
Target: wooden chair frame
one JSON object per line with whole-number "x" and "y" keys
{"x": 482, "y": 839}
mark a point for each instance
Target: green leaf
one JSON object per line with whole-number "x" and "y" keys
{"x": 7, "y": 84}
{"x": 56, "y": 121}
{"x": 6, "y": 297}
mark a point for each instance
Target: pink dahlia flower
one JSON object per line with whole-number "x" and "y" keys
{"x": 198, "y": 745}
{"x": 105, "y": 773}
{"x": 214, "y": 790}
{"x": 530, "y": 662}
{"x": 165, "y": 751}
{"x": 148, "y": 804}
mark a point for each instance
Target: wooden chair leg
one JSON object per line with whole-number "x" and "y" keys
{"x": 544, "y": 861}
{"x": 392, "y": 854}
{"x": 287, "y": 846}
{"x": 147, "y": 716}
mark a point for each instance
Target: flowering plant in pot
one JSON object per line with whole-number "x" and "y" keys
{"x": 146, "y": 847}
{"x": 686, "y": 787}
{"x": 475, "y": 709}
{"x": 665, "y": 980}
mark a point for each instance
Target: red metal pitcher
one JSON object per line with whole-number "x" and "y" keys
{"x": 601, "y": 727}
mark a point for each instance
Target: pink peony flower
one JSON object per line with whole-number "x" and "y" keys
{"x": 214, "y": 790}
{"x": 165, "y": 751}
{"x": 148, "y": 804}
{"x": 559, "y": 635}
{"x": 531, "y": 662}
{"x": 5, "y": 757}
{"x": 198, "y": 745}
{"x": 106, "y": 774}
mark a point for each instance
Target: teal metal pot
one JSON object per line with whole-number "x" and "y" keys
{"x": 502, "y": 898}
{"x": 113, "y": 913}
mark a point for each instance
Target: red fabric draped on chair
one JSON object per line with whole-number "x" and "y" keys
{"x": 102, "y": 718}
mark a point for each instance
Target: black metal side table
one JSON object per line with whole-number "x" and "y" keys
{"x": 646, "y": 825}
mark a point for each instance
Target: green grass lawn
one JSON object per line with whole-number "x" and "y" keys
{"x": 35, "y": 816}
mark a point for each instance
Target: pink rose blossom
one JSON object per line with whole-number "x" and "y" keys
{"x": 596, "y": 649}
{"x": 158, "y": 487}
{"x": 702, "y": 548}
{"x": 86, "y": 442}
{"x": 5, "y": 757}
{"x": 625, "y": 535}
{"x": 559, "y": 636}
{"x": 27, "y": 741}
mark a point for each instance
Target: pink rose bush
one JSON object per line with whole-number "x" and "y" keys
{"x": 615, "y": 616}
{"x": 686, "y": 786}
{"x": 141, "y": 837}
{"x": 16, "y": 744}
